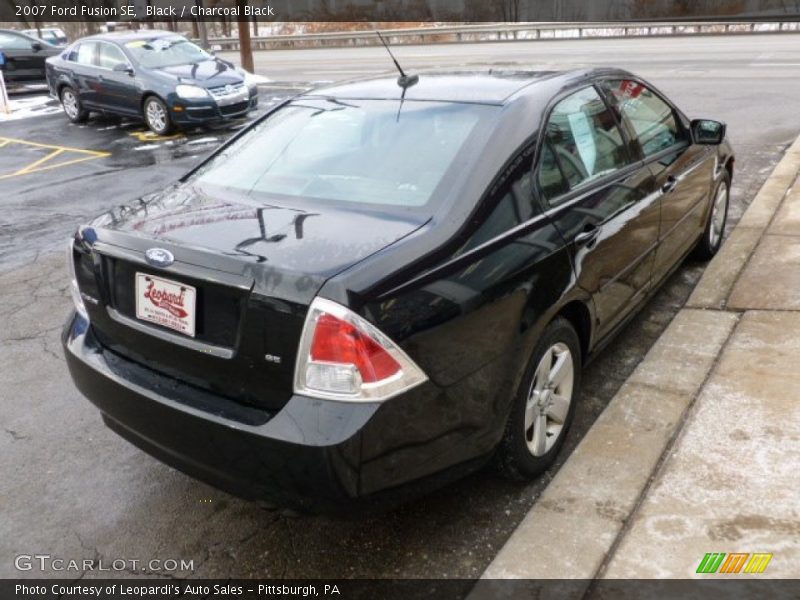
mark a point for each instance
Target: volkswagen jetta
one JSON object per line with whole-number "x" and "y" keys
{"x": 383, "y": 285}
{"x": 158, "y": 76}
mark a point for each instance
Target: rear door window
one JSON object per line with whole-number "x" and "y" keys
{"x": 582, "y": 143}
{"x": 654, "y": 121}
{"x": 86, "y": 53}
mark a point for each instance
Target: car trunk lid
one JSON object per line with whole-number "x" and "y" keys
{"x": 253, "y": 270}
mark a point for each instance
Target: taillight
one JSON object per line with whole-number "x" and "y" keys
{"x": 345, "y": 357}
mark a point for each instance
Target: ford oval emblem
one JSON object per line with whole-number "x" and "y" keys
{"x": 158, "y": 257}
{"x": 229, "y": 88}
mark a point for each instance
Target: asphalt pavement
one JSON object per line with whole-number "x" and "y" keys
{"x": 74, "y": 489}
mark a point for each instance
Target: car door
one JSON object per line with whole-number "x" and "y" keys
{"x": 116, "y": 90}
{"x": 23, "y": 61}
{"x": 682, "y": 171}
{"x": 602, "y": 199}
{"x": 83, "y": 72}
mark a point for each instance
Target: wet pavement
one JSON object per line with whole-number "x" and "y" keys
{"x": 74, "y": 489}
{"x": 43, "y": 204}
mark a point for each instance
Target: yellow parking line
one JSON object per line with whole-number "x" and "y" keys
{"x": 149, "y": 136}
{"x": 63, "y": 164}
{"x": 36, "y": 166}
{"x": 65, "y": 148}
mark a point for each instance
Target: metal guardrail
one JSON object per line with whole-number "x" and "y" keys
{"x": 494, "y": 32}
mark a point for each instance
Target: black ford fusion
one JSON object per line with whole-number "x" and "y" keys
{"x": 155, "y": 75}
{"x": 377, "y": 288}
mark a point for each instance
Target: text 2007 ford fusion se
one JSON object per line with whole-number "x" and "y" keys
{"x": 380, "y": 286}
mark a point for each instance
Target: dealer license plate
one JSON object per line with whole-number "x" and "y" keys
{"x": 165, "y": 302}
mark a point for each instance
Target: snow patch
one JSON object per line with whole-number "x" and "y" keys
{"x": 25, "y": 107}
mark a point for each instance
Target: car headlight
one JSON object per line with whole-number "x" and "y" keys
{"x": 75, "y": 291}
{"x": 191, "y": 91}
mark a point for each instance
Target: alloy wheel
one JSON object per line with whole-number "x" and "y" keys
{"x": 70, "y": 104}
{"x": 718, "y": 213}
{"x": 549, "y": 399}
{"x": 156, "y": 116}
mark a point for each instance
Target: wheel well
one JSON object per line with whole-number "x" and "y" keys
{"x": 578, "y": 315}
{"x": 145, "y": 97}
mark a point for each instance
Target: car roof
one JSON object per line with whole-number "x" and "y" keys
{"x": 129, "y": 36}
{"x": 475, "y": 86}
{"x": 16, "y": 31}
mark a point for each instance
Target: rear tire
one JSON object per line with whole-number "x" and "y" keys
{"x": 709, "y": 244}
{"x": 544, "y": 405}
{"x": 156, "y": 116}
{"x": 72, "y": 105}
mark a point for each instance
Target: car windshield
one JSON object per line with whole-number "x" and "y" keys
{"x": 166, "y": 52}
{"x": 356, "y": 151}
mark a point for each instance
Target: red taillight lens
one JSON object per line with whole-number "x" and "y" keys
{"x": 338, "y": 341}
{"x": 344, "y": 357}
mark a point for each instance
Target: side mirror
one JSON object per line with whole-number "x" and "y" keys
{"x": 123, "y": 68}
{"x": 36, "y": 46}
{"x": 708, "y": 132}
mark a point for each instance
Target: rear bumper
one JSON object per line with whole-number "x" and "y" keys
{"x": 307, "y": 456}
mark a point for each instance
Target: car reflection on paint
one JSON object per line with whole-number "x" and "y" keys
{"x": 383, "y": 285}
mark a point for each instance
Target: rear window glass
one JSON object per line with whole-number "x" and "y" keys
{"x": 355, "y": 151}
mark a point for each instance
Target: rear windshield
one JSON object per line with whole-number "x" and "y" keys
{"x": 355, "y": 151}
{"x": 166, "y": 52}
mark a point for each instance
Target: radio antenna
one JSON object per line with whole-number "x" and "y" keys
{"x": 404, "y": 81}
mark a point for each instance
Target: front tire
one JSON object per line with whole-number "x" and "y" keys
{"x": 544, "y": 405}
{"x": 156, "y": 116}
{"x": 709, "y": 244}
{"x": 72, "y": 105}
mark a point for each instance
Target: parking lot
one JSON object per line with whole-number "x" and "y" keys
{"x": 73, "y": 489}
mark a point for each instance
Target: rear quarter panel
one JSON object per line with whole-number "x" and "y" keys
{"x": 471, "y": 325}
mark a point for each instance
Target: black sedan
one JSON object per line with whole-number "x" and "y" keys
{"x": 155, "y": 75}
{"x": 378, "y": 287}
{"x": 24, "y": 57}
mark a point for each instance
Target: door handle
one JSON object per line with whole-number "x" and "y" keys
{"x": 669, "y": 185}
{"x": 588, "y": 237}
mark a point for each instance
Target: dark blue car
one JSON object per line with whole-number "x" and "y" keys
{"x": 159, "y": 76}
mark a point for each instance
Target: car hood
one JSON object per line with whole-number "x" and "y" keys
{"x": 248, "y": 236}
{"x": 208, "y": 73}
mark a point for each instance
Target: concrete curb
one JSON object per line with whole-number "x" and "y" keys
{"x": 715, "y": 285}
{"x": 584, "y": 511}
